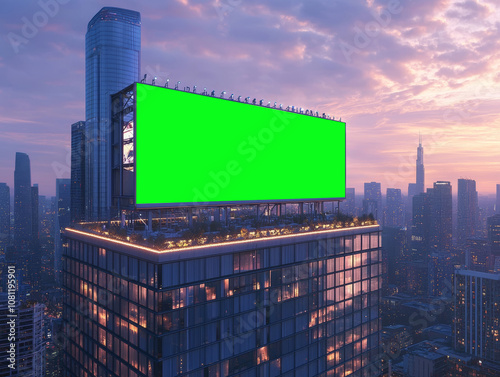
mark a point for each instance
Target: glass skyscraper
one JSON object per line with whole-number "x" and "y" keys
{"x": 112, "y": 62}
{"x": 295, "y": 305}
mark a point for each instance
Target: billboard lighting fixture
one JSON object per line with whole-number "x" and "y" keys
{"x": 274, "y": 105}
{"x": 269, "y": 104}
{"x": 166, "y": 83}
{"x": 281, "y": 106}
{"x": 231, "y": 97}
{"x": 261, "y": 102}
{"x": 222, "y": 94}
{"x": 247, "y": 99}
{"x": 144, "y": 78}
{"x": 239, "y": 98}
{"x": 205, "y": 91}
{"x": 194, "y": 89}
{"x": 188, "y": 89}
{"x": 154, "y": 80}
{"x": 213, "y": 93}
{"x": 177, "y": 85}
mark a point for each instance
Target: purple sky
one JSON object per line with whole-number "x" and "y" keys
{"x": 390, "y": 69}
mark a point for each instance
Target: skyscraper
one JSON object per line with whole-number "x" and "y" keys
{"x": 420, "y": 172}
{"x": 493, "y": 224}
{"x": 476, "y": 328}
{"x": 497, "y": 207}
{"x": 35, "y": 215}
{"x": 467, "y": 219}
{"x": 4, "y": 216}
{"x": 63, "y": 219}
{"x": 112, "y": 61}
{"x": 394, "y": 208}
{"x": 372, "y": 202}
{"x": 348, "y": 206}
{"x": 305, "y": 303}
{"x": 78, "y": 171}
{"x": 23, "y": 213}
{"x": 441, "y": 212}
{"x": 29, "y": 339}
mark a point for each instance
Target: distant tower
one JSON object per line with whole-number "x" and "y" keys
{"x": 23, "y": 213}
{"x": 420, "y": 187}
{"x": 4, "y": 216}
{"x": 112, "y": 62}
{"x": 497, "y": 209}
{"x": 467, "y": 219}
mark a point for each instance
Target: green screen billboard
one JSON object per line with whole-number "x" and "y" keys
{"x": 193, "y": 149}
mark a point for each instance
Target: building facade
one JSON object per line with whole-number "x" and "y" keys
{"x": 394, "y": 208}
{"x": 78, "y": 171}
{"x": 297, "y": 305}
{"x": 62, "y": 220}
{"x": 4, "y": 217}
{"x": 112, "y": 62}
{"x": 477, "y": 314}
{"x": 468, "y": 211}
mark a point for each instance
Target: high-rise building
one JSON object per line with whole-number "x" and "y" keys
{"x": 78, "y": 171}
{"x": 23, "y": 213}
{"x": 493, "y": 225}
{"x": 29, "y": 343}
{"x": 420, "y": 171}
{"x": 306, "y": 303}
{"x": 441, "y": 212}
{"x": 112, "y": 61}
{"x": 478, "y": 254}
{"x": 476, "y": 325}
{"x": 468, "y": 211}
{"x": 421, "y": 226}
{"x": 35, "y": 214}
{"x": 4, "y": 217}
{"x": 497, "y": 206}
{"x": 394, "y": 208}
{"x": 62, "y": 220}
{"x": 348, "y": 206}
{"x": 372, "y": 202}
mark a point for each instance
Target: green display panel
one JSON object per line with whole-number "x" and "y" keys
{"x": 193, "y": 149}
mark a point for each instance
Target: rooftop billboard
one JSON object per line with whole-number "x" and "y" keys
{"x": 193, "y": 150}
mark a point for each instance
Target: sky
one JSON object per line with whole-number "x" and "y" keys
{"x": 390, "y": 69}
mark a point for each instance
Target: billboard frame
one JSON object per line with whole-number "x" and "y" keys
{"x": 132, "y": 204}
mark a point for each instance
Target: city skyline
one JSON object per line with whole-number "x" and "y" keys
{"x": 446, "y": 89}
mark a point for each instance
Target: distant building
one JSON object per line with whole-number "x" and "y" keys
{"x": 441, "y": 212}
{"x": 63, "y": 202}
{"x": 468, "y": 211}
{"x": 35, "y": 214}
{"x": 23, "y": 213}
{"x": 478, "y": 254}
{"x": 78, "y": 151}
{"x": 30, "y": 347}
{"x": 348, "y": 206}
{"x": 493, "y": 225}
{"x": 477, "y": 312}
{"x": 372, "y": 202}
{"x": 394, "y": 208}
{"x": 4, "y": 217}
{"x": 497, "y": 206}
{"x": 421, "y": 360}
{"x": 420, "y": 171}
